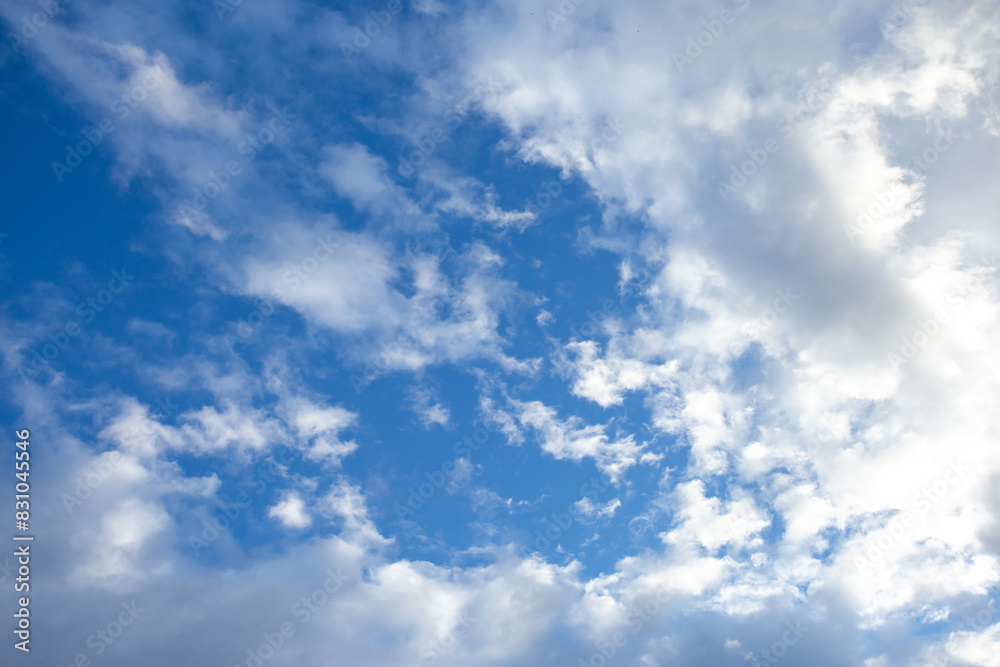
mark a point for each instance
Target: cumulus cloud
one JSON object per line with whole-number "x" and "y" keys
{"x": 291, "y": 512}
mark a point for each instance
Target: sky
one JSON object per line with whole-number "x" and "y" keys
{"x": 508, "y": 334}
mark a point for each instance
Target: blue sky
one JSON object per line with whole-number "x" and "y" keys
{"x": 504, "y": 333}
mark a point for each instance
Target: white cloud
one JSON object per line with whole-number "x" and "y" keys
{"x": 575, "y": 440}
{"x": 347, "y": 281}
{"x": 586, "y": 507}
{"x": 710, "y": 524}
{"x": 118, "y": 552}
{"x": 291, "y": 512}
{"x": 428, "y": 408}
